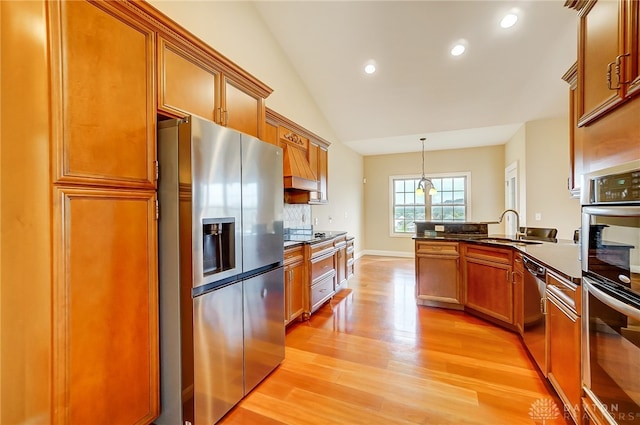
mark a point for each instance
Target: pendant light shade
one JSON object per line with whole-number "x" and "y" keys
{"x": 422, "y": 184}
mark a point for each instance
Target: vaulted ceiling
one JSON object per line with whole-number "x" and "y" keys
{"x": 505, "y": 78}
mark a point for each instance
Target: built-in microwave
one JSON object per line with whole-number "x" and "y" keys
{"x": 610, "y": 254}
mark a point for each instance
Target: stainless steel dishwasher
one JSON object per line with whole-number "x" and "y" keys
{"x": 535, "y": 310}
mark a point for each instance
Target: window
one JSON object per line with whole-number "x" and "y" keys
{"x": 449, "y": 204}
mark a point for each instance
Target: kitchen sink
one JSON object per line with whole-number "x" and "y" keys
{"x": 507, "y": 241}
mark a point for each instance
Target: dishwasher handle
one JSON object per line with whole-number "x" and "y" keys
{"x": 534, "y": 268}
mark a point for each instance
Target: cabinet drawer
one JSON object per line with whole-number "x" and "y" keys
{"x": 568, "y": 292}
{"x": 321, "y": 291}
{"x": 438, "y": 248}
{"x": 321, "y": 266}
{"x": 497, "y": 255}
{"x": 321, "y": 248}
{"x": 294, "y": 254}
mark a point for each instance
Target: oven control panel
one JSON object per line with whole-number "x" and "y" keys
{"x": 623, "y": 187}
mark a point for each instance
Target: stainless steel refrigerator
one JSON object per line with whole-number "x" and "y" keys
{"x": 221, "y": 276}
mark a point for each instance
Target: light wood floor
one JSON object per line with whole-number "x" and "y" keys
{"x": 373, "y": 357}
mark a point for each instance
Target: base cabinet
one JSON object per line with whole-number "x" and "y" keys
{"x": 350, "y": 256}
{"x": 438, "y": 274}
{"x": 564, "y": 339}
{"x": 488, "y": 282}
{"x": 105, "y": 307}
{"x": 294, "y": 273}
{"x": 321, "y": 274}
{"x": 518, "y": 293}
{"x": 340, "y": 246}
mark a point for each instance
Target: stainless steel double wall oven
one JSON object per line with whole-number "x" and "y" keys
{"x": 610, "y": 251}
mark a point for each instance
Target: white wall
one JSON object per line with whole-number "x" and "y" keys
{"x": 487, "y": 194}
{"x": 236, "y": 30}
{"x": 541, "y": 149}
{"x": 515, "y": 151}
{"x": 547, "y": 171}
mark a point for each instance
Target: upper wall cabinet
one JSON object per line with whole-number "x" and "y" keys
{"x": 192, "y": 82}
{"x": 281, "y": 131}
{"x": 186, "y": 83}
{"x": 608, "y": 57}
{"x": 102, "y": 67}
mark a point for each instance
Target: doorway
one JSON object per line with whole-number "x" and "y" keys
{"x": 511, "y": 198}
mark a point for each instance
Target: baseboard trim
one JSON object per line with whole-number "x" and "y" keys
{"x": 380, "y": 253}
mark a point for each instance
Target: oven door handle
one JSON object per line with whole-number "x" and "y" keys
{"x": 617, "y": 211}
{"x": 614, "y": 303}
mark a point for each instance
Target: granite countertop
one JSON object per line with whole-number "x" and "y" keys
{"x": 561, "y": 256}
{"x": 315, "y": 238}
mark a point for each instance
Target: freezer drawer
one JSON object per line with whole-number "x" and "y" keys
{"x": 218, "y": 350}
{"x": 264, "y": 331}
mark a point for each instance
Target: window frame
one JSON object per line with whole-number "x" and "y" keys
{"x": 467, "y": 191}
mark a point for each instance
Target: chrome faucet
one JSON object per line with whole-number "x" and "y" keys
{"x": 518, "y": 233}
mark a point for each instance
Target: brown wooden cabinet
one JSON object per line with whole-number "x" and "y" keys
{"x": 322, "y": 274}
{"x": 606, "y": 131}
{"x": 575, "y": 134}
{"x": 319, "y": 159}
{"x": 103, "y": 96}
{"x": 105, "y": 307}
{"x": 315, "y": 152}
{"x": 350, "y": 256}
{"x": 438, "y": 280}
{"x": 518, "y": 292}
{"x": 564, "y": 339}
{"x": 186, "y": 83}
{"x": 294, "y": 278}
{"x": 193, "y": 81}
{"x": 488, "y": 281}
{"x": 104, "y": 296}
{"x": 608, "y": 56}
{"x": 600, "y": 48}
{"x": 340, "y": 249}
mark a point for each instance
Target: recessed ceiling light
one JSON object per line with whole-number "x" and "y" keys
{"x": 370, "y": 68}
{"x": 509, "y": 20}
{"x": 458, "y": 49}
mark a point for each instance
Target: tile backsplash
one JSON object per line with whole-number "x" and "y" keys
{"x": 297, "y": 215}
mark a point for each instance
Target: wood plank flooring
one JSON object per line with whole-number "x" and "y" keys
{"x": 372, "y": 356}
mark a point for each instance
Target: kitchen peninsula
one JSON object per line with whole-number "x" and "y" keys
{"x": 529, "y": 286}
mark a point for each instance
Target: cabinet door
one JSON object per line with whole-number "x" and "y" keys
{"x": 102, "y": 80}
{"x": 350, "y": 257}
{"x": 105, "y": 307}
{"x": 323, "y": 175}
{"x": 599, "y": 46}
{"x": 294, "y": 278}
{"x": 518, "y": 293}
{"x": 319, "y": 160}
{"x": 341, "y": 267}
{"x": 438, "y": 278}
{"x": 489, "y": 289}
{"x": 633, "y": 46}
{"x": 564, "y": 352}
{"x": 186, "y": 84}
{"x": 242, "y": 111}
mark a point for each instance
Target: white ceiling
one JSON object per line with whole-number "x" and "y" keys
{"x": 505, "y": 78}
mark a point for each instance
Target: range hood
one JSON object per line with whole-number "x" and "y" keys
{"x": 297, "y": 170}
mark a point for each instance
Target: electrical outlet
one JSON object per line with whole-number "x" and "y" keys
{"x": 330, "y": 220}
{"x": 346, "y": 215}
{"x": 538, "y": 216}
{"x": 315, "y": 221}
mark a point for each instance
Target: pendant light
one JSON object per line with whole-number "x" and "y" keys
{"x": 422, "y": 184}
